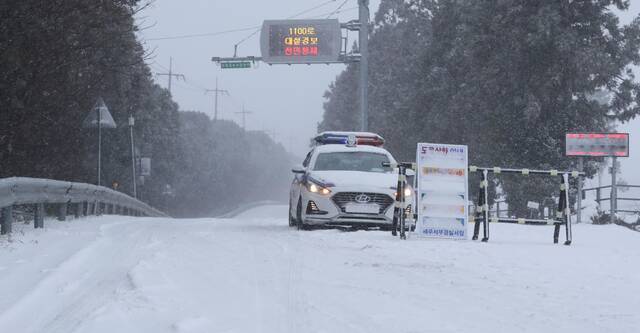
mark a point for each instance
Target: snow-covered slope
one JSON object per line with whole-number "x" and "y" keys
{"x": 254, "y": 274}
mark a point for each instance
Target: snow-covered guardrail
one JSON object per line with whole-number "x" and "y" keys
{"x": 83, "y": 199}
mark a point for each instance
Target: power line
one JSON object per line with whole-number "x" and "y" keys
{"x": 335, "y": 12}
{"x": 311, "y": 9}
{"x": 337, "y": 9}
{"x": 230, "y": 31}
{"x": 206, "y": 34}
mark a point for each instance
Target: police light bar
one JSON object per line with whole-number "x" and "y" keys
{"x": 342, "y": 138}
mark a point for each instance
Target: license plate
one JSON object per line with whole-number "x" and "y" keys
{"x": 362, "y": 208}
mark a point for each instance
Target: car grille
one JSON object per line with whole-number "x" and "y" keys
{"x": 342, "y": 198}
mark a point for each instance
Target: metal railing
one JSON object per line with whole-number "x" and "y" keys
{"x": 613, "y": 197}
{"x": 83, "y": 199}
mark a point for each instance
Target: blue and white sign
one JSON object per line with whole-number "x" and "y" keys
{"x": 443, "y": 190}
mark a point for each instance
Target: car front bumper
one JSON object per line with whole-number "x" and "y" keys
{"x": 329, "y": 213}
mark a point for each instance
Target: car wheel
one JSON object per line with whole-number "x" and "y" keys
{"x": 292, "y": 220}
{"x": 299, "y": 221}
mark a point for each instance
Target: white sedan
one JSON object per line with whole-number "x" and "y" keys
{"x": 342, "y": 183}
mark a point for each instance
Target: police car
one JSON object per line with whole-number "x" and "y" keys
{"x": 342, "y": 182}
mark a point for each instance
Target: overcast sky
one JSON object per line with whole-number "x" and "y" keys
{"x": 285, "y": 100}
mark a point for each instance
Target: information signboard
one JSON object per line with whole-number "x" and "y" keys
{"x": 442, "y": 190}
{"x": 301, "y": 41}
{"x": 597, "y": 144}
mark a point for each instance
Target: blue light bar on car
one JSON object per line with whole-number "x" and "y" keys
{"x": 342, "y": 138}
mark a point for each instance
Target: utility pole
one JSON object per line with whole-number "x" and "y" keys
{"x": 215, "y": 103}
{"x": 171, "y": 74}
{"x": 272, "y": 134}
{"x": 244, "y": 114}
{"x": 364, "y": 63}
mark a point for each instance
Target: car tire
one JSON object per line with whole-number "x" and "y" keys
{"x": 299, "y": 221}
{"x": 292, "y": 220}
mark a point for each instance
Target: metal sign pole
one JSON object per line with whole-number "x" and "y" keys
{"x": 364, "y": 63}
{"x": 99, "y": 143}
{"x": 614, "y": 190}
{"x": 579, "y": 201}
{"x": 133, "y": 157}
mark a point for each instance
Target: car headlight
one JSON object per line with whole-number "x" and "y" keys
{"x": 408, "y": 191}
{"x": 315, "y": 188}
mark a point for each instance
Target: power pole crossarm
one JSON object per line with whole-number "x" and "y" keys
{"x": 244, "y": 114}
{"x": 215, "y": 103}
{"x": 171, "y": 74}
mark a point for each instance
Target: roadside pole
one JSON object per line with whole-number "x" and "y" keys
{"x": 580, "y": 180}
{"x": 613, "y": 203}
{"x": 132, "y": 122}
{"x": 364, "y": 63}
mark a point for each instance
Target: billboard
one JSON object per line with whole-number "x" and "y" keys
{"x": 597, "y": 144}
{"x": 300, "y": 41}
{"x": 442, "y": 191}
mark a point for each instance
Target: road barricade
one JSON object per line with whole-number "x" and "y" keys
{"x": 563, "y": 213}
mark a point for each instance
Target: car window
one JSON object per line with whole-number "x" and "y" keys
{"x": 307, "y": 159}
{"x": 352, "y": 161}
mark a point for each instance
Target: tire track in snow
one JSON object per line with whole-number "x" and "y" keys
{"x": 68, "y": 303}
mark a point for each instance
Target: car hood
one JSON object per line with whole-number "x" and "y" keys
{"x": 356, "y": 178}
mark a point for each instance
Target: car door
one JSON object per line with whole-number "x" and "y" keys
{"x": 297, "y": 185}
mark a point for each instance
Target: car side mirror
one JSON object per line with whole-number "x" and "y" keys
{"x": 298, "y": 169}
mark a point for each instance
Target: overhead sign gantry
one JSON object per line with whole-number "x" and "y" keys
{"x": 312, "y": 42}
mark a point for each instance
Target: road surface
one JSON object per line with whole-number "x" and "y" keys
{"x": 252, "y": 273}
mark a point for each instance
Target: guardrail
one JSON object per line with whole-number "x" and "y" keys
{"x": 83, "y": 199}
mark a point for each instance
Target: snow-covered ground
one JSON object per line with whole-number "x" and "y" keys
{"x": 252, "y": 273}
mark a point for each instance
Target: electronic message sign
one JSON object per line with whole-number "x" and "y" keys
{"x": 301, "y": 41}
{"x": 597, "y": 144}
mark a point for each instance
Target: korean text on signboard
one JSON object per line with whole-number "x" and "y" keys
{"x": 442, "y": 191}
{"x": 597, "y": 144}
{"x": 301, "y": 41}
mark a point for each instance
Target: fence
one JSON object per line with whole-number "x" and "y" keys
{"x": 613, "y": 198}
{"x": 84, "y": 199}
{"x": 563, "y": 213}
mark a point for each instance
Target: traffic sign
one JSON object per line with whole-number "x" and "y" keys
{"x": 235, "y": 64}
{"x": 99, "y": 110}
{"x": 301, "y": 41}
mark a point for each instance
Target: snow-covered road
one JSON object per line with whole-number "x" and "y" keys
{"x": 252, "y": 273}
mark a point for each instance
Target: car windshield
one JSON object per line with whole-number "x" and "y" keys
{"x": 352, "y": 161}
